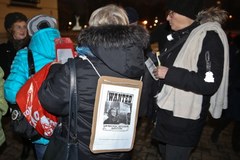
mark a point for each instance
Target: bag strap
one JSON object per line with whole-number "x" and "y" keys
{"x": 31, "y": 68}
{"x": 73, "y": 101}
{"x": 183, "y": 39}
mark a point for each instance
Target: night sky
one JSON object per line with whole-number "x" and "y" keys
{"x": 147, "y": 9}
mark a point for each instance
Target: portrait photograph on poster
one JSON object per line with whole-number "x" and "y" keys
{"x": 115, "y": 114}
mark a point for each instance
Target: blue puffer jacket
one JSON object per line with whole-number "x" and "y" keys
{"x": 43, "y": 50}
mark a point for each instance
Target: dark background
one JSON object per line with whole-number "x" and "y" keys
{"x": 147, "y": 10}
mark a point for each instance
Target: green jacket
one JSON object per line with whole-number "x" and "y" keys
{"x": 3, "y": 106}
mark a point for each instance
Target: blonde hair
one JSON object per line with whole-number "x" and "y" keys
{"x": 109, "y": 14}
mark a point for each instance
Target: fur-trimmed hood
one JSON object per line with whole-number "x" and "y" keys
{"x": 212, "y": 14}
{"x": 114, "y": 36}
{"x": 119, "y": 47}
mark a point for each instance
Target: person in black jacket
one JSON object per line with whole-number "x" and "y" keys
{"x": 15, "y": 23}
{"x": 114, "y": 48}
{"x": 192, "y": 78}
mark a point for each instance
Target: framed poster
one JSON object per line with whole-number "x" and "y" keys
{"x": 115, "y": 114}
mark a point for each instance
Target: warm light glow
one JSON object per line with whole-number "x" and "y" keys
{"x": 145, "y": 22}
{"x": 230, "y": 16}
{"x": 155, "y": 21}
{"x": 70, "y": 23}
{"x": 219, "y": 2}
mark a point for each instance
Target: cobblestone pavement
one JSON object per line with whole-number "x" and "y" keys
{"x": 144, "y": 148}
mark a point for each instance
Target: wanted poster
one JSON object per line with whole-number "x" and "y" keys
{"x": 115, "y": 114}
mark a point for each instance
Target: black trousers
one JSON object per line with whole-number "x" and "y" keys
{"x": 171, "y": 152}
{"x": 222, "y": 123}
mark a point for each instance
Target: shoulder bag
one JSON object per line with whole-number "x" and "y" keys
{"x": 19, "y": 123}
{"x": 66, "y": 148}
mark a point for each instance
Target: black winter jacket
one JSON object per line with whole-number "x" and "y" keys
{"x": 179, "y": 131}
{"x": 7, "y": 54}
{"x": 8, "y": 51}
{"x": 118, "y": 51}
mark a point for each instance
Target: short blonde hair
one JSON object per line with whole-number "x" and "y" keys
{"x": 109, "y": 14}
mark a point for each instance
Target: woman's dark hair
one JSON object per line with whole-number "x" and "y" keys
{"x": 13, "y": 17}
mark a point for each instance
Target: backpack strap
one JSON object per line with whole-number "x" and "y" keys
{"x": 31, "y": 68}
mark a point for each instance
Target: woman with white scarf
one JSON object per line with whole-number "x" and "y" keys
{"x": 192, "y": 78}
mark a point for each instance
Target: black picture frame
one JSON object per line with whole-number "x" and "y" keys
{"x": 25, "y": 3}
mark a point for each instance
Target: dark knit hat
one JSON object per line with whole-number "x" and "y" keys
{"x": 132, "y": 14}
{"x": 13, "y": 17}
{"x": 188, "y": 8}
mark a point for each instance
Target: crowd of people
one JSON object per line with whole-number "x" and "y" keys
{"x": 194, "y": 74}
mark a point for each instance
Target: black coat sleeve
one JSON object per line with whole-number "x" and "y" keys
{"x": 54, "y": 92}
{"x": 194, "y": 81}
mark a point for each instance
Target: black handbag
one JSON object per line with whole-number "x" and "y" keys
{"x": 19, "y": 123}
{"x": 60, "y": 147}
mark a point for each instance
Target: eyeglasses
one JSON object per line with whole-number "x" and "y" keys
{"x": 170, "y": 13}
{"x": 17, "y": 27}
